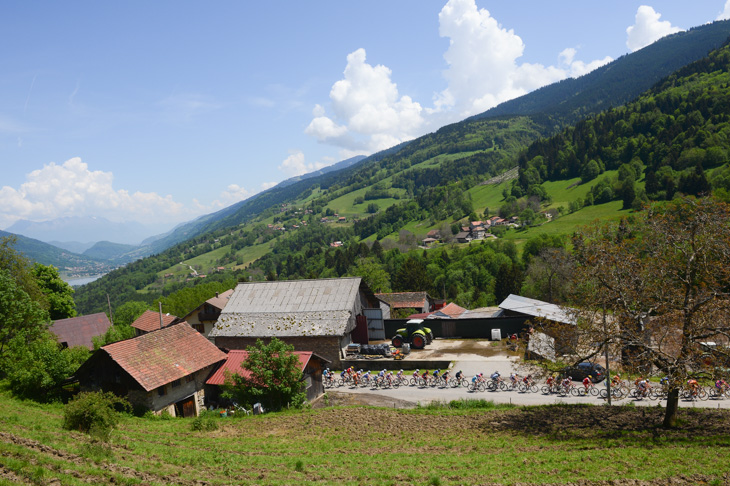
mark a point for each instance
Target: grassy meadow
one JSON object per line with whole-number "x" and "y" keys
{"x": 466, "y": 443}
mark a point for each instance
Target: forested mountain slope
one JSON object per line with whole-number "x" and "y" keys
{"x": 431, "y": 182}
{"x": 669, "y": 136}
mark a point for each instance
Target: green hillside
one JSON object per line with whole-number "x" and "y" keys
{"x": 67, "y": 262}
{"x": 598, "y": 169}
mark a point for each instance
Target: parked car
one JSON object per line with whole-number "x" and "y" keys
{"x": 581, "y": 370}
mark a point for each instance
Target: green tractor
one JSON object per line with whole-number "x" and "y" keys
{"x": 414, "y": 333}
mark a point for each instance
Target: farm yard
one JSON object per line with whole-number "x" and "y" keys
{"x": 468, "y": 442}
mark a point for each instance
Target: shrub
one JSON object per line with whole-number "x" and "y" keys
{"x": 205, "y": 422}
{"x": 94, "y": 412}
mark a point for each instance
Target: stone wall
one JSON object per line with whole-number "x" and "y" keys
{"x": 328, "y": 347}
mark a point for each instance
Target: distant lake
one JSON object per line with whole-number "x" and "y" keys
{"x": 77, "y": 282}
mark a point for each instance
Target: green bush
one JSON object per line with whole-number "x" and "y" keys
{"x": 94, "y": 412}
{"x": 205, "y": 422}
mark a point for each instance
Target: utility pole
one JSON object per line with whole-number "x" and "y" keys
{"x": 108, "y": 301}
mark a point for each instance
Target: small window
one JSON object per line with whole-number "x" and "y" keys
{"x": 162, "y": 391}
{"x": 175, "y": 383}
{"x": 189, "y": 378}
{"x": 199, "y": 327}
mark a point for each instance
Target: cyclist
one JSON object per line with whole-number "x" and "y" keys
{"x": 445, "y": 377}
{"x": 436, "y": 374}
{"x": 587, "y": 382}
{"x": 567, "y": 382}
{"x": 550, "y": 380}
{"x": 495, "y": 376}
{"x": 616, "y": 381}
{"x": 693, "y": 386}
{"x": 527, "y": 380}
{"x": 513, "y": 379}
{"x": 721, "y": 386}
{"x": 415, "y": 375}
{"x": 399, "y": 375}
{"x": 458, "y": 375}
{"x": 424, "y": 377}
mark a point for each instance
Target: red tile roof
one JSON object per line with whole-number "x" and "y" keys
{"x": 220, "y": 301}
{"x": 233, "y": 365}
{"x": 160, "y": 357}
{"x": 78, "y": 331}
{"x": 150, "y": 321}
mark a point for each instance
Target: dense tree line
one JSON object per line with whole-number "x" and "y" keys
{"x": 668, "y": 136}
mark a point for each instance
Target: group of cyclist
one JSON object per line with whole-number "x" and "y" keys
{"x": 643, "y": 387}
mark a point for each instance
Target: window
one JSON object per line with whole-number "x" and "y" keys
{"x": 199, "y": 327}
{"x": 162, "y": 391}
{"x": 175, "y": 383}
{"x": 189, "y": 378}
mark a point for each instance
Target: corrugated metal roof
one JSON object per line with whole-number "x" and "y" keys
{"x": 150, "y": 321}
{"x": 234, "y": 362}
{"x": 536, "y": 308}
{"x": 160, "y": 357}
{"x": 78, "y": 331}
{"x": 322, "y": 307}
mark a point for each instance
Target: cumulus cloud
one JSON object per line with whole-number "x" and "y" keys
{"x": 367, "y": 110}
{"x": 72, "y": 189}
{"x": 483, "y": 68}
{"x": 367, "y": 113}
{"x": 725, "y": 14}
{"x": 648, "y": 28}
{"x": 295, "y": 164}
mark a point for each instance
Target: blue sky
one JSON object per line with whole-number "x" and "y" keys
{"x": 162, "y": 111}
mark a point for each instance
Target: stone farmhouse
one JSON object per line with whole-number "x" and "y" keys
{"x": 322, "y": 316}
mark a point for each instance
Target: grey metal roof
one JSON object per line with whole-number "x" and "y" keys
{"x": 322, "y": 307}
{"x": 537, "y": 308}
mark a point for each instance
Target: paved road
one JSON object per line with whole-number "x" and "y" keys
{"x": 505, "y": 366}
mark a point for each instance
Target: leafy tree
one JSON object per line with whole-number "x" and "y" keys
{"x": 274, "y": 377}
{"x": 411, "y": 276}
{"x": 20, "y": 316}
{"x": 128, "y": 312}
{"x": 59, "y": 294}
{"x": 38, "y": 367}
{"x": 549, "y": 275}
{"x": 115, "y": 333}
{"x": 655, "y": 287}
{"x": 19, "y": 268}
{"x": 508, "y": 281}
{"x": 374, "y": 275}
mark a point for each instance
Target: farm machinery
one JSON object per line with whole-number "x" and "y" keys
{"x": 414, "y": 333}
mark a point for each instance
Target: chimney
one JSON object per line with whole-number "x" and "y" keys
{"x": 216, "y": 294}
{"x": 161, "y": 321}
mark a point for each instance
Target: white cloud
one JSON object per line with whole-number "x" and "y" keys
{"x": 72, "y": 189}
{"x": 648, "y": 28}
{"x": 296, "y": 165}
{"x": 233, "y": 194}
{"x": 482, "y": 58}
{"x": 267, "y": 185}
{"x": 367, "y": 110}
{"x": 725, "y": 14}
{"x": 579, "y": 68}
{"x": 367, "y": 113}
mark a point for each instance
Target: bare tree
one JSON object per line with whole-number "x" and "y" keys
{"x": 655, "y": 287}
